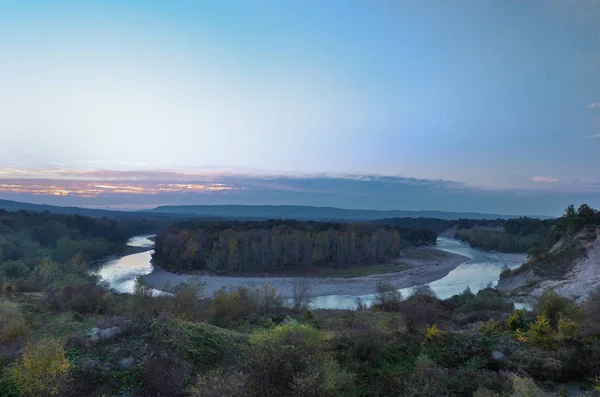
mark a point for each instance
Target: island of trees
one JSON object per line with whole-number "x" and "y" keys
{"x": 230, "y": 246}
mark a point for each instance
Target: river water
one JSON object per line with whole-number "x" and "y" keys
{"x": 481, "y": 269}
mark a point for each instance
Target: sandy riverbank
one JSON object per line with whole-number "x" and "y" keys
{"x": 428, "y": 265}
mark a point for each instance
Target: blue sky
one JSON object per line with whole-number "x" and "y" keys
{"x": 497, "y": 97}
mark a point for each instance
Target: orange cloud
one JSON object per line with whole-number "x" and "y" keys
{"x": 94, "y": 189}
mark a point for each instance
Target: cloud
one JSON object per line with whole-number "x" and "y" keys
{"x": 594, "y": 105}
{"x": 594, "y": 136}
{"x": 143, "y": 190}
{"x": 545, "y": 179}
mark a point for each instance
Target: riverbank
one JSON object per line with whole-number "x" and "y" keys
{"x": 424, "y": 265}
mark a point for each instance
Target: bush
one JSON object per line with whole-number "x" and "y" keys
{"x": 388, "y": 297}
{"x": 418, "y": 313}
{"x": 541, "y": 332}
{"x": 487, "y": 299}
{"x": 301, "y": 294}
{"x": 551, "y": 305}
{"x": 233, "y": 306}
{"x": 324, "y": 379}
{"x": 524, "y": 387}
{"x": 185, "y": 302}
{"x": 43, "y": 369}
{"x": 164, "y": 375}
{"x": 81, "y": 297}
{"x": 362, "y": 338}
{"x": 423, "y": 293}
{"x": 515, "y": 321}
{"x": 277, "y": 355}
{"x": 268, "y": 300}
{"x": 219, "y": 383}
{"x": 204, "y": 345}
{"x": 12, "y": 323}
{"x": 8, "y": 388}
{"x": 144, "y": 304}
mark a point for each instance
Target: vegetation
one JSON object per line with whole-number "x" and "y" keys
{"x": 62, "y": 335}
{"x": 513, "y": 235}
{"x": 549, "y": 262}
{"x": 220, "y": 246}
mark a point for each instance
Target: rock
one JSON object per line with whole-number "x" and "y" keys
{"x": 498, "y": 356}
{"x": 127, "y": 362}
{"x": 100, "y": 334}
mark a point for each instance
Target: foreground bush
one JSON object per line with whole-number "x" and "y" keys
{"x": 219, "y": 383}
{"x": 278, "y": 355}
{"x": 204, "y": 345}
{"x": 324, "y": 379}
{"x": 12, "y": 323}
{"x": 42, "y": 370}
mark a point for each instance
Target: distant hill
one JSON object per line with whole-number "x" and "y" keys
{"x": 260, "y": 212}
{"x": 91, "y": 212}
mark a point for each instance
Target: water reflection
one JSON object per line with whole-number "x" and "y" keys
{"x": 120, "y": 274}
{"x": 481, "y": 269}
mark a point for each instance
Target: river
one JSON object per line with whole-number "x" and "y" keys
{"x": 481, "y": 269}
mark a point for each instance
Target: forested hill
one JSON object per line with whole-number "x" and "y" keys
{"x": 263, "y": 212}
{"x": 10, "y": 205}
{"x": 29, "y": 240}
{"x": 237, "y": 246}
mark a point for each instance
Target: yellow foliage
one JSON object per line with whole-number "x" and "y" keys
{"x": 541, "y": 332}
{"x": 520, "y": 336}
{"x": 42, "y": 368}
{"x": 567, "y": 328}
{"x": 515, "y": 321}
{"x": 432, "y": 332}
{"x": 489, "y": 327}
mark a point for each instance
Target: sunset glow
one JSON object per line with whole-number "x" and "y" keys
{"x": 91, "y": 189}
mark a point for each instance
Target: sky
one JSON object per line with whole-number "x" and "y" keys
{"x": 468, "y": 105}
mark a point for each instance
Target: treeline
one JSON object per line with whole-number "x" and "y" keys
{"x": 495, "y": 241}
{"x": 515, "y": 235}
{"x": 529, "y": 235}
{"x": 281, "y": 244}
{"x": 36, "y": 247}
{"x": 556, "y": 263}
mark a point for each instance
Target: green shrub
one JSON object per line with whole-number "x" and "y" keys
{"x": 204, "y": 345}
{"x": 233, "y": 306}
{"x": 8, "y": 388}
{"x": 219, "y": 383}
{"x": 490, "y": 327}
{"x": 83, "y": 297}
{"x": 541, "y": 333}
{"x": 551, "y": 305}
{"x": 185, "y": 302}
{"x": 515, "y": 321}
{"x": 278, "y": 355}
{"x": 524, "y": 387}
{"x": 388, "y": 297}
{"x": 268, "y": 300}
{"x": 324, "y": 379}
{"x": 487, "y": 299}
{"x": 42, "y": 370}
{"x": 12, "y": 323}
